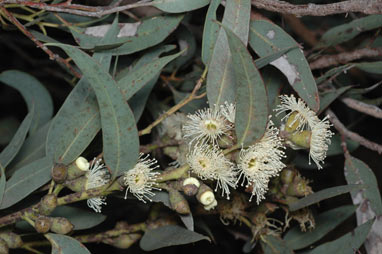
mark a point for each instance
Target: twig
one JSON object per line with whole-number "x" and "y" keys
{"x": 301, "y": 30}
{"x": 345, "y": 57}
{"x": 175, "y": 108}
{"x": 364, "y": 6}
{"x": 52, "y": 56}
{"x": 363, "y": 107}
{"x": 77, "y": 9}
{"x": 352, "y": 135}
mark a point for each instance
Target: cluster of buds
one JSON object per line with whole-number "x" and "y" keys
{"x": 9, "y": 240}
{"x": 58, "y": 225}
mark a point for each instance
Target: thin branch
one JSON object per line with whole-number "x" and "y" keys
{"x": 77, "y": 9}
{"x": 363, "y": 107}
{"x": 352, "y": 135}
{"x": 301, "y": 30}
{"x": 363, "y": 6}
{"x": 345, "y": 57}
{"x": 39, "y": 44}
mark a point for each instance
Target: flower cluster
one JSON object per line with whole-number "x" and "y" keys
{"x": 300, "y": 118}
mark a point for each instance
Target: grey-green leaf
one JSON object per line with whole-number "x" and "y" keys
{"x": 177, "y": 6}
{"x": 350, "y": 30}
{"x": 252, "y": 102}
{"x": 63, "y": 244}
{"x": 335, "y": 147}
{"x": 151, "y": 32}
{"x": 371, "y": 67}
{"x": 119, "y": 131}
{"x": 346, "y": 244}
{"x": 169, "y": 235}
{"x": 33, "y": 92}
{"x": 210, "y": 32}
{"x": 275, "y": 245}
{"x": 220, "y": 77}
{"x": 80, "y": 218}
{"x": 266, "y": 38}
{"x": 2, "y": 183}
{"x": 324, "y": 194}
{"x": 10, "y": 151}
{"x": 325, "y": 222}
{"x": 328, "y": 97}
{"x": 26, "y": 180}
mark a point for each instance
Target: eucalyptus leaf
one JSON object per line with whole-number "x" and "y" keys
{"x": 252, "y": 102}
{"x": 63, "y": 244}
{"x": 220, "y": 77}
{"x": 346, "y": 244}
{"x": 266, "y": 38}
{"x": 210, "y": 32}
{"x": 335, "y": 147}
{"x": 2, "y": 183}
{"x": 177, "y": 6}
{"x": 10, "y": 151}
{"x": 371, "y": 67}
{"x": 328, "y": 97}
{"x": 348, "y": 31}
{"x": 26, "y": 180}
{"x": 169, "y": 235}
{"x": 265, "y": 60}
{"x": 275, "y": 245}
{"x": 80, "y": 218}
{"x": 34, "y": 94}
{"x": 325, "y": 222}
{"x": 119, "y": 130}
{"x": 332, "y": 72}
{"x": 324, "y": 194}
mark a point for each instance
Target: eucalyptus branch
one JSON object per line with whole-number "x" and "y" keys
{"x": 175, "y": 108}
{"x": 39, "y": 44}
{"x": 365, "y": 6}
{"x": 360, "y": 106}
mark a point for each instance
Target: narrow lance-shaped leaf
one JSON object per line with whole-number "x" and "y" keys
{"x": 324, "y": 194}
{"x": 62, "y": 244}
{"x": 252, "y": 103}
{"x": 325, "y": 222}
{"x": 17, "y": 141}
{"x": 119, "y": 131}
{"x": 34, "y": 94}
{"x": 2, "y": 183}
{"x": 220, "y": 77}
{"x": 275, "y": 245}
{"x": 266, "y": 38}
{"x": 177, "y": 6}
{"x": 210, "y": 32}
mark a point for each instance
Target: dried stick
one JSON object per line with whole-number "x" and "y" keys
{"x": 363, "y": 6}
{"x": 352, "y": 135}
{"x": 52, "y": 56}
{"x": 77, "y": 9}
{"x": 363, "y": 107}
{"x": 345, "y": 57}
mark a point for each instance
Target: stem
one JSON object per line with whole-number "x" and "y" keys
{"x": 175, "y": 108}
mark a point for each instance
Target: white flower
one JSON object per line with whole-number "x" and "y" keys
{"x": 140, "y": 179}
{"x": 228, "y": 110}
{"x": 208, "y": 162}
{"x": 206, "y": 125}
{"x": 260, "y": 162}
{"x": 97, "y": 176}
{"x": 172, "y": 126}
{"x": 307, "y": 119}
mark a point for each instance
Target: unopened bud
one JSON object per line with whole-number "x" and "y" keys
{"x": 205, "y": 195}
{"x": 77, "y": 184}
{"x": 300, "y": 139}
{"x": 123, "y": 241}
{"x": 292, "y": 123}
{"x": 42, "y": 224}
{"x": 178, "y": 202}
{"x": 4, "y": 249}
{"x": 13, "y": 240}
{"x": 287, "y": 175}
{"x": 226, "y": 141}
{"x": 299, "y": 188}
{"x": 48, "y": 204}
{"x": 59, "y": 172}
{"x": 190, "y": 186}
{"x": 78, "y": 168}
{"x": 211, "y": 206}
{"x": 61, "y": 225}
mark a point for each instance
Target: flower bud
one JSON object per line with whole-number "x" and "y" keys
{"x": 292, "y": 124}
{"x": 59, "y": 172}
{"x": 77, "y": 184}
{"x": 211, "y": 206}
{"x": 299, "y": 188}
{"x": 48, "y": 204}
{"x": 226, "y": 141}
{"x": 78, "y": 168}
{"x": 190, "y": 186}
{"x": 205, "y": 195}
{"x": 300, "y": 139}
{"x": 4, "y": 249}
{"x": 171, "y": 151}
{"x": 61, "y": 225}
{"x": 42, "y": 224}
{"x": 287, "y": 175}
{"x": 12, "y": 240}
{"x": 178, "y": 202}
{"x": 123, "y": 241}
